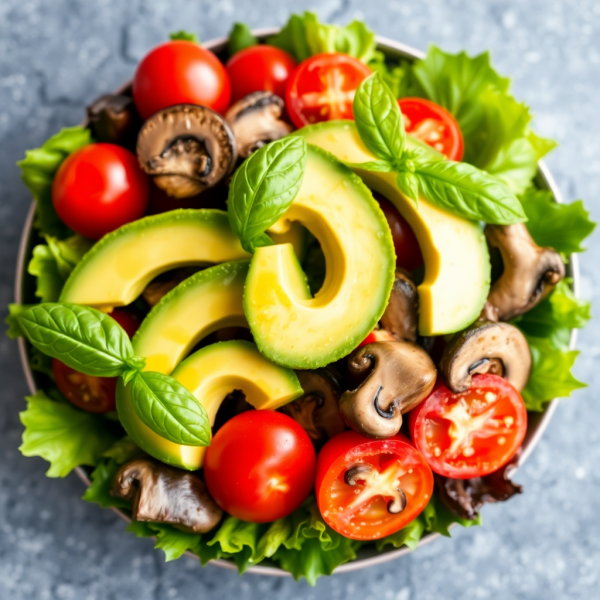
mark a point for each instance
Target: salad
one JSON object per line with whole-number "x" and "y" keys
{"x": 298, "y": 298}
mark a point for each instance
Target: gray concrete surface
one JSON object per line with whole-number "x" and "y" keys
{"x": 56, "y": 55}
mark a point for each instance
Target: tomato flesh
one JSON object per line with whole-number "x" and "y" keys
{"x": 388, "y": 470}
{"x": 323, "y": 87}
{"x": 257, "y": 69}
{"x": 99, "y": 188}
{"x": 180, "y": 72}
{"x": 470, "y": 434}
{"x": 434, "y": 125}
{"x": 260, "y": 466}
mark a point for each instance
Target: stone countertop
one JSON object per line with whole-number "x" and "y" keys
{"x": 544, "y": 545}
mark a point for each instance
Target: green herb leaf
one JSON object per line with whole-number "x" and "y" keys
{"x": 264, "y": 186}
{"x": 169, "y": 409}
{"x": 409, "y": 185}
{"x": 468, "y": 192}
{"x": 560, "y": 226}
{"x": 258, "y": 242}
{"x": 378, "y": 119}
{"x": 37, "y": 172}
{"x": 63, "y": 435}
{"x": 240, "y": 38}
{"x": 551, "y": 375}
{"x": 185, "y": 36}
{"x": 380, "y": 166}
{"x": 304, "y": 36}
{"x": 84, "y": 338}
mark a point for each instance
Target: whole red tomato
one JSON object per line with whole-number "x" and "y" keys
{"x": 180, "y": 72}
{"x": 260, "y": 466}
{"x": 99, "y": 188}
{"x": 259, "y": 68}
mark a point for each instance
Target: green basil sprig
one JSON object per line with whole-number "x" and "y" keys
{"x": 457, "y": 187}
{"x": 93, "y": 343}
{"x": 263, "y": 188}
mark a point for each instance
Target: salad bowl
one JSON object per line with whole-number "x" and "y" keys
{"x": 367, "y": 556}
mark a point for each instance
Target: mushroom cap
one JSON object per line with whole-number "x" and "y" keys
{"x": 530, "y": 272}
{"x": 317, "y": 409}
{"x": 256, "y": 120}
{"x": 398, "y": 376}
{"x": 186, "y": 149}
{"x": 486, "y": 347}
{"x": 401, "y": 317}
{"x": 162, "y": 494}
{"x": 113, "y": 118}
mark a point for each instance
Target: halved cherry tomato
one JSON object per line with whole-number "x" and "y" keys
{"x": 434, "y": 125}
{"x": 470, "y": 434}
{"x": 180, "y": 72}
{"x": 322, "y": 88}
{"x": 259, "y": 68}
{"x": 260, "y": 466}
{"x": 99, "y": 188}
{"x": 92, "y": 394}
{"x": 367, "y": 489}
{"x": 408, "y": 251}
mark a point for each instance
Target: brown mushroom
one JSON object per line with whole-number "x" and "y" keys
{"x": 486, "y": 347}
{"x": 530, "y": 272}
{"x": 256, "y": 120}
{"x": 317, "y": 410}
{"x": 163, "y": 494}
{"x": 113, "y": 118}
{"x": 383, "y": 486}
{"x": 397, "y": 376}
{"x": 186, "y": 149}
{"x": 401, "y": 317}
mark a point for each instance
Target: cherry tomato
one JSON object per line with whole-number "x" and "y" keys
{"x": 322, "y": 88}
{"x": 408, "y": 251}
{"x": 378, "y": 335}
{"x": 92, "y": 394}
{"x": 259, "y": 68}
{"x": 367, "y": 489}
{"x": 470, "y": 434}
{"x": 180, "y": 72}
{"x": 260, "y": 466}
{"x": 434, "y": 125}
{"x": 99, "y": 188}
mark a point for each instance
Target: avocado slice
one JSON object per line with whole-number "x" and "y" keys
{"x": 211, "y": 374}
{"x": 203, "y": 303}
{"x": 291, "y": 327}
{"x": 118, "y": 268}
{"x": 457, "y": 263}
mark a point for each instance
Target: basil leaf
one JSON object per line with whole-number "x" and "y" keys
{"x": 240, "y": 38}
{"x": 380, "y": 166}
{"x": 185, "y": 36}
{"x": 409, "y": 185}
{"x": 265, "y": 185}
{"x": 468, "y": 192}
{"x": 82, "y": 337}
{"x": 169, "y": 409}
{"x": 378, "y": 119}
{"x": 258, "y": 242}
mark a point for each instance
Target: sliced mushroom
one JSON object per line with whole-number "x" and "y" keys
{"x": 401, "y": 317}
{"x": 186, "y": 149}
{"x": 375, "y": 485}
{"x": 486, "y": 347}
{"x": 157, "y": 289}
{"x": 113, "y": 118}
{"x": 256, "y": 120}
{"x": 317, "y": 410}
{"x": 530, "y": 272}
{"x": 397, "y": 376}
{"x": 163, "y": 494}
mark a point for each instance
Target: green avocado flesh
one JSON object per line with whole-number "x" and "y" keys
{"x": 200, "y": 305}
{"x": 118, "y": 268}
{"x": 210, "y": 375}
{"x": 291, "y": 327}
{"x": 457, "y": 264}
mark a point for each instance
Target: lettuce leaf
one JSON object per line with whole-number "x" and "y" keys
{"x": 438, "y": 519}
{"x": 304, "y": 36}
{"x": 395, "y": 74}
{"x": 409, "y": 535}
{"x": 184, "y": 36}
{"x": 14, "y": 330}
{"x": 63, "y": 435}
{"x": 560, "y": 226}
{"x": 240, "y": 38}
{"x": 37, "y": 172}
